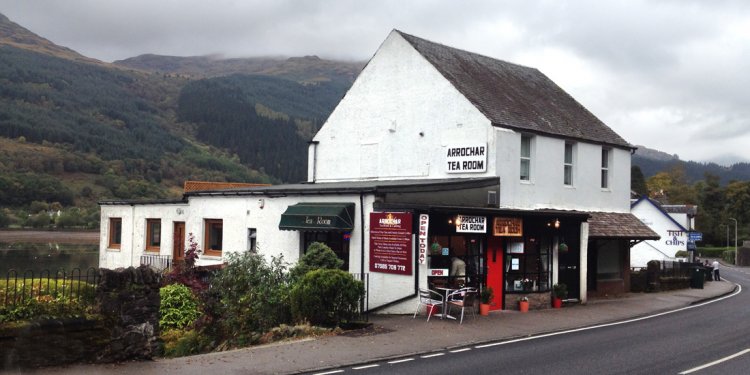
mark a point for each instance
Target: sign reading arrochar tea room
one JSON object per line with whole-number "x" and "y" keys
{"x": 391, "y": 243}
{"x": 466, "y": 158}
{"x": 471, "y": 224}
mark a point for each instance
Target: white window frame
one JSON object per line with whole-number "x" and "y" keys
{"x": 569, "y": 164}
{"x": 526, "y": 158}
{"x": 605, "y": 182}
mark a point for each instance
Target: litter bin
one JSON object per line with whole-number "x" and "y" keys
{"x": 697, "y": 277}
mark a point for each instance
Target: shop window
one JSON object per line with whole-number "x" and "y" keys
{"x": 525, "y": 158}
{"x": 609, "y": 261}
{"x": 568, "y": 164}
{"x": 213, "y": 237}
{"x": 452, "y": 252}
{"x": 337, "y": 241}
{"x": 605, "y": 168}
{"x": 153, "y": 235}
{"x": 115, "y": 232}
{"x": 527, "y": 265}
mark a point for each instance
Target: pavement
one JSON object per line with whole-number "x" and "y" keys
{"x": 397, "y": 336}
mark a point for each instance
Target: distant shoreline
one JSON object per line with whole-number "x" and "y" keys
{"x": 45, "y": 236}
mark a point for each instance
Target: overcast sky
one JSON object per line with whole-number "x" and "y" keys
{"x": 670, "y": 75}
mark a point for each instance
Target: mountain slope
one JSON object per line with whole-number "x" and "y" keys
{"x": 14, "y": 35}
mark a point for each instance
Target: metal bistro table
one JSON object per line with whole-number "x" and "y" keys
{"x": 447, "y": 291}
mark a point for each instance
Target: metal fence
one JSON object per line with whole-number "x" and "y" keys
{"x": 158, "y": 262}
{"x": 58, "y": 287}
{"x": 364, "y": 303}
{"x": 669, "y": 268}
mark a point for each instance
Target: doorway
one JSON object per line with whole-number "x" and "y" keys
{"x": 178, "y": 241}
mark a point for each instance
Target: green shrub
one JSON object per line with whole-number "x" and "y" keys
{"x": 318, "y": 256}
{"x": 249, "y": 296}
{"x": 681, "y": 254}
{"x": 326, "y": 297}
{"x": 711, "y": 252}
{"x": 28, "y": 299}
{"x": 179, "y": 343}
{"x": 179, "y": 308}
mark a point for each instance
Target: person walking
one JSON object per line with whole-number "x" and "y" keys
{"x": 715, "y": 264}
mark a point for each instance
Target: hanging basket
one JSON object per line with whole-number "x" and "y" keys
{"x": 562, "y": 248}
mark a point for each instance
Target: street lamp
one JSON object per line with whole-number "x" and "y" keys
{"x": 735, "y": 239}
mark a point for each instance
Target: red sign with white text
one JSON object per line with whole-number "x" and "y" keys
{"x": 391, "y": 243}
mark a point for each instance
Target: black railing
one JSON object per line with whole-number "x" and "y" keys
{"x": 364, "y": 303}
{"x": 158, "y": 262}
{"x": 59, "y": 287}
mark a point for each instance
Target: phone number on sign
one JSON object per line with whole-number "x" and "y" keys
{"x": 392, "y": 267}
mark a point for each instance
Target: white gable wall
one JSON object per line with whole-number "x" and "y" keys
{"x": 374, "y": 132}
{"x": 662, "y": 249}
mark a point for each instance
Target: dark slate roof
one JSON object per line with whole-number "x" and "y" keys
{"x": 680, "y": 209}
{"x": 514, "y": 96}
{"x": 615, "y": 225}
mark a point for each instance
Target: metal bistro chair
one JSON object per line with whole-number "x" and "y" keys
{"x": 428, "y": 297}
{"x": 463, "y": 298}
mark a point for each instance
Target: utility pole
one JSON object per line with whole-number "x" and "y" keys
{"x": 735, "y": 239}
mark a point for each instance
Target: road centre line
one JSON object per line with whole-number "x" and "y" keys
{"x": 432, "y": 355}
{"x": 736, "y": 292}
{"x": 400, "y": 361}
{"x": 329, "y": 372}
{"x": 716, "y": 362}
{"x": 364, "y": 367}
{"x": 460, "y": 350}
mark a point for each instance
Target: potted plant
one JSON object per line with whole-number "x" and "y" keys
{"x": 562, "y": 247}
{"x": 523, "y": 304}
{"x": 559, "y": 293}
{"x": 485, "y": 298}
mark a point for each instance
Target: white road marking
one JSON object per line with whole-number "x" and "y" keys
{"x": 401, "y": 360}
{"x": 460, "y": 350}
{"x": 716, "y": 362}
{"x": 329, "y": 372}
{"x": 432, "y": 355}
{"x": 364, "y": 367}
{"x": 738, "y": 291}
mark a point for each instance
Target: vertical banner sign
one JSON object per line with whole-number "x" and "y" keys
{"x": 424, "y": 225}
{"x": 390, "y": 242}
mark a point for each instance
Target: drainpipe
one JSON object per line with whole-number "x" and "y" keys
{"x": 132, "y": 233}
{"x": 314, "y": 145}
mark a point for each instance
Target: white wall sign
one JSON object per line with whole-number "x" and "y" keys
{"x": 466, "y": 158}
{"x": 471, "y": 224}
{"x": 424, "y": 224}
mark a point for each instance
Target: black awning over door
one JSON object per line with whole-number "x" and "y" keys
{"x": 318, "y": 217}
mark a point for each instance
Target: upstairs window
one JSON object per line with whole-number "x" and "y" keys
{"x": 153, "y": 235}
{"x": 568, "y": 165}
{"x": 605, "y": 168}
{"x": 525, "y": 158}
{"x": 115, "y": 232}
{"x": 213, "y": 236}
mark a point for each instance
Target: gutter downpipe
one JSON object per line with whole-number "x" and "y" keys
{"x": 132, "y": 233}
{"x": 361, "y": 243}
{"x": 314, "y": 172}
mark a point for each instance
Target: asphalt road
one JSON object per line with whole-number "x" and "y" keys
{"x": 711, "y": 338}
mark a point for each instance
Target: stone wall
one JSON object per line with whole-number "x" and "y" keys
{"x": 127, "y": 327}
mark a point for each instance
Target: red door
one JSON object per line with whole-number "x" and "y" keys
{"x": 495, "y": 271}
{"x": 178, "y": 241}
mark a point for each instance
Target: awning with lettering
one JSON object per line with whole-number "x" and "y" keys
{"x": 318, "y": 217}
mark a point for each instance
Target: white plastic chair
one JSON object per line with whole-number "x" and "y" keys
{"x": 428, "y": 297}
{"x": 463, "y": 298}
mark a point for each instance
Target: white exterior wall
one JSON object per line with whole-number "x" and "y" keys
{"x": 662, "y": 249}
{"x": 239, "y": 213}
{"x": 546, "y": 189}
{"x": 133, "y": 241}
{"x": 374, "y": 132}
